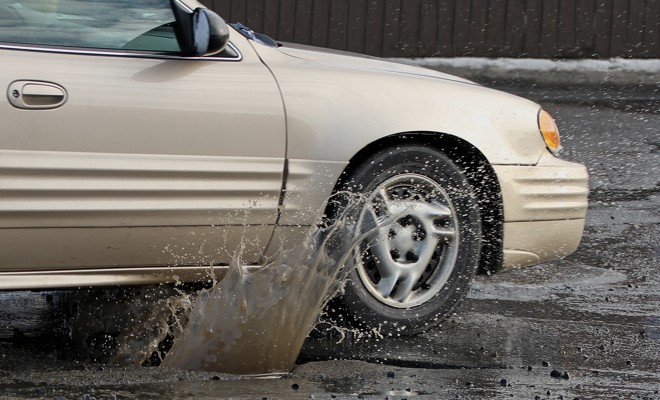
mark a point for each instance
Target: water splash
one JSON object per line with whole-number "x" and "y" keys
{"x": 255, "y": 322}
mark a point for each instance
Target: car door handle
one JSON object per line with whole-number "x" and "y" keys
{"x": 36, "y": 95}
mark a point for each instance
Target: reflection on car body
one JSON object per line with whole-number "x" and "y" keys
{"x": 134, "y": 159}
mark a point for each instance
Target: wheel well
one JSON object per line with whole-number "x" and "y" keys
{"x": 479, "y": 172}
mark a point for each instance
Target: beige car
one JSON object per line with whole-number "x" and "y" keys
{"x": 142, "y": 141}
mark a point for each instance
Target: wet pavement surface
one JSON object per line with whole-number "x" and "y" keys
{"x": 586, "y": 327}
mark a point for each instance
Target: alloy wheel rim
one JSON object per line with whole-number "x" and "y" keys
{"x": 411, "y": 254}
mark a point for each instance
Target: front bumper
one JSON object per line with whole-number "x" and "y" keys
{"x": 544, "y": 209}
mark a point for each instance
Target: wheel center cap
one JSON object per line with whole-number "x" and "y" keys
{"x": 403, "y": 239}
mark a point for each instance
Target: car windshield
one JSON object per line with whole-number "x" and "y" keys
{"x": 128, "y": 25}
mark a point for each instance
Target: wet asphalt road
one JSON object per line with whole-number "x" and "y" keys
{"x": 585, "y": 327}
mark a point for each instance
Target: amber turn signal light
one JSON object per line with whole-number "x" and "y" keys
{"x": 549, "y": 131}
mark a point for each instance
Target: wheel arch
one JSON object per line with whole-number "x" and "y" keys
{"x": 479, "y": 173}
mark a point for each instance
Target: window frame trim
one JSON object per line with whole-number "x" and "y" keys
{"x": 116, "y": 53}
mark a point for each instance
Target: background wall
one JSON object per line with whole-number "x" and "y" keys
{"x": 453, "y": 28}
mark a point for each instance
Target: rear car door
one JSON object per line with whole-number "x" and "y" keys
{"x": 117, "y": 152}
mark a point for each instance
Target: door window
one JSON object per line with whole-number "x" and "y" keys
{"x": 142, "y": 25}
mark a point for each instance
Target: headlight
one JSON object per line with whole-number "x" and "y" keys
{"x": 549, "y": 131}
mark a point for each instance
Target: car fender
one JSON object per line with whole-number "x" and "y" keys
{"x": 335, "y": 109}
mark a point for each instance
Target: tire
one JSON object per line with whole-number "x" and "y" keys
{"x": 416, "y": 267}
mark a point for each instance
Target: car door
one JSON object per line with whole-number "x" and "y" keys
{"x": 117, "y": 152}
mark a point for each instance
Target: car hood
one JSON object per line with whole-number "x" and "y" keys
{"x": 343, "y": 59}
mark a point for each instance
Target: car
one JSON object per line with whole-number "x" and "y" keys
{"x": 143, "y": 141}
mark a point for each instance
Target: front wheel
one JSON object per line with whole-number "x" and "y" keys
{"x": 419, "y": 262}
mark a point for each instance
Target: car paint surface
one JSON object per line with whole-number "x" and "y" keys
{"x": 502, "y": 126}
{"x": 141, "y": 152}
{"x": 155, "y": 169}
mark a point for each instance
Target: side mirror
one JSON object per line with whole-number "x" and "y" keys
{"x": 199, "y": 32}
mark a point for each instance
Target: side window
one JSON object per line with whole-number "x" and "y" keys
{"x": 142, "y": 25}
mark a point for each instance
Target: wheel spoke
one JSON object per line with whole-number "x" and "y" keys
{"x": 369, "y": 221}
{"x": 386, "y": 285}
{"x": 386, "y": 265}
{"x": 381, "y": 197}
{"x": 443, "y": 232}
{"x": 418, "y": 209}
{"x": 405, "y": 287}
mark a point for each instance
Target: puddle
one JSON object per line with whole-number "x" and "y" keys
{"x": 543, "y": 281}
{"x": 21, "y": 314}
